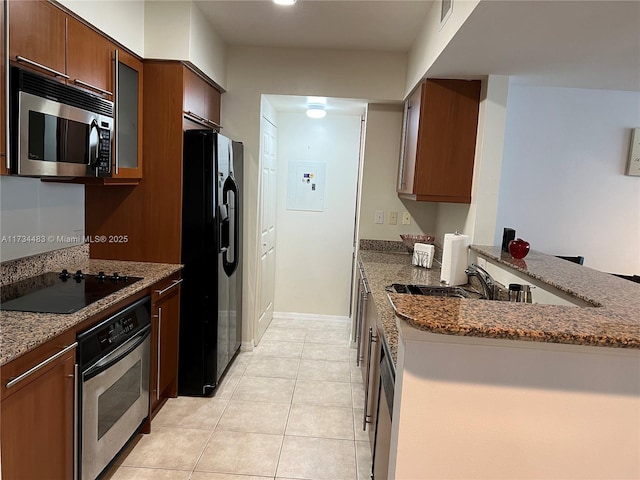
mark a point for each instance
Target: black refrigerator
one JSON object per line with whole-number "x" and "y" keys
{"x": 211, "y": 296}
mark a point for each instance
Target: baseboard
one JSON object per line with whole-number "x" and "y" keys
{"x": 310, "y": 317}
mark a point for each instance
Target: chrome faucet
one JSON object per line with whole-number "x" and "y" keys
{"x": 486, "y": 280}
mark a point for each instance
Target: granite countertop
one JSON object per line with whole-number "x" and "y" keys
{"x": 23, "y": 331}
{"x": 614, "y": 324}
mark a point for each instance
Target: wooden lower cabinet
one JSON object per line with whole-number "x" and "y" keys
{"x": 37, "y": 413}
{"x": 165, "y": 336}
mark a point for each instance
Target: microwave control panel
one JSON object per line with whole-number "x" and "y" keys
{"x": 104, "y": 149}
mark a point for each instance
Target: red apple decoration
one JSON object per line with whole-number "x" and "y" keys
{"x": 518, "y": 248}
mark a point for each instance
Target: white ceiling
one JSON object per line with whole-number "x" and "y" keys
{"x": 380, "y": 25}
{"x": 582, "y": 44}
{"x": 576, "y": 43}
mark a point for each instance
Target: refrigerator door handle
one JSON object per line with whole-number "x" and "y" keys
{"x": 230, "y": 185}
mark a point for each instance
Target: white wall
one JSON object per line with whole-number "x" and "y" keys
{"x": 206, "y": 49}
{"x": 313, "y": 266}
{"x": 563, "y": 186}
{"x": 123, "y": 20}
{"x": 167, "y": 26}
{"x": 252, "y": 72}
{"x": 379, "y": 179}
{"x": 177, "y": 30}
{"x": 432, "y": 39}
{"x": 30, "y": 207}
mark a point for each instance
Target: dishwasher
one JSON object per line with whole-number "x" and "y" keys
{"x": 382, "y": 437}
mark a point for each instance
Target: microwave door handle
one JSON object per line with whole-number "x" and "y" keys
{"x": 94, "y": 142}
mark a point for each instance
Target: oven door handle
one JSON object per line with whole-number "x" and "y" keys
{"x": 118, "y": 354}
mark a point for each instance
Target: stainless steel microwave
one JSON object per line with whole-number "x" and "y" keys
{"x": 58, "y": 130}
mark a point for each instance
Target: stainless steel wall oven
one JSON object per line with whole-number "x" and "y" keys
{"x": 113, "y": 386}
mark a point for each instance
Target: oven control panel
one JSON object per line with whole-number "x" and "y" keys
{"x": 109, "y": 334}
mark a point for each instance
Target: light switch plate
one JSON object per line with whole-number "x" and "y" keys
{"x": 633, "y": 167}
{"x": 406, "y": 218}
{"x": 379, "y": 218}
{"x": 393, "y": 218}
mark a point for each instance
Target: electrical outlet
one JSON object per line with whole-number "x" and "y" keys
{"x": 393, "y": 218}
{"x": 379, "y": 218}
{"x": 406, "y": 218}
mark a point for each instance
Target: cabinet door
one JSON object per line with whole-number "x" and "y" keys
{"x": 37, "y": 423}
{"x": 128, "y": 122}
{"x": 89, "y": 59}
{"x": 167, "y": 320}
{"x": 212, "y": 104}
{"x": 37, "y": 33}
{"x": 447, "y": 142}
{"x": 194, "y": 94}
{"x": 409, "y": 152}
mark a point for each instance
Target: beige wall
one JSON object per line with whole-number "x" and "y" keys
{"x": 252, "y": 72}
{"x": 379, "y": 177}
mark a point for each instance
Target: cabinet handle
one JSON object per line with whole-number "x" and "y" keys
{"x": 92, "y": 87}
{"x": 42, "y": 364}
{"x": 158, "y": 356}
{"x": 166, "y": 289}
{"x": 367, "y": 418}
{"x": 359, "y": 327}
{"x": 116, "y": 78}
{"x": 42, "y": 67}
{"x": 214, "y": 124}
{"x": 194, "y": 117}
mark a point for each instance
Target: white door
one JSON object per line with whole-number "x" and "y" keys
{"x": 267, "y": 276}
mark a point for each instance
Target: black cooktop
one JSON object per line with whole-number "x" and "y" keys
{"x": 61, "y": 292}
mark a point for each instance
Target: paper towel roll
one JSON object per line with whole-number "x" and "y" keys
{"x": 454, "y": 259}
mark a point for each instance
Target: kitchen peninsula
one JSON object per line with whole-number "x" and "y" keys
{"x": 491, "y": 389}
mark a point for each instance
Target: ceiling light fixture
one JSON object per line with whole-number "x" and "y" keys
{"x": 284, "y": 2}
{"x": 316, "y": 111}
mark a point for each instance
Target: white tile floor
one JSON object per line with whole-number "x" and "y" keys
{"x": 290, "y": 409}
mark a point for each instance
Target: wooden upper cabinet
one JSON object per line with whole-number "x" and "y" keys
{"x": 89, "y": 59}
{"x": 201, "y": 101}
{"x": 128, "y": 120}
{"x": 194, "y": 93}
{"x": 408, "y": 160}
{"x": 212, "y": 104}
{"x": 37, "y": 34}
{"x": 439, "y": 145}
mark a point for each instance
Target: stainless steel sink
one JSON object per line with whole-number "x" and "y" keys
{"x": 434, "y": 291}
